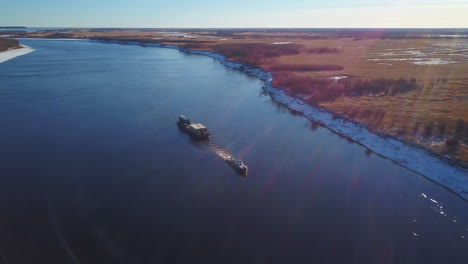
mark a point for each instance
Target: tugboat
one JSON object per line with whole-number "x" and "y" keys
{"x": 196, "y": 130}
{"x": 238, "y": 165}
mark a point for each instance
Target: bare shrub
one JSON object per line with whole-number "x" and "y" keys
{"x": 256, "y": 53}
{"x": 304, "y": 67}
{"x": 327, "y": 89}
{"x": 322, "y": 50}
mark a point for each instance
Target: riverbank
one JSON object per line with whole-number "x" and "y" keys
{"x": 407, "y": 154}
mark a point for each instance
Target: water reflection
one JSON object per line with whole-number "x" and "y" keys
{"x": 315, "y": 125}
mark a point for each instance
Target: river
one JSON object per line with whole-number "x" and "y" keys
{"x": 95, "y": 170}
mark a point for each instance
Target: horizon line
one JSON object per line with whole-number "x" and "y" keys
{"x": 110, "y": 27}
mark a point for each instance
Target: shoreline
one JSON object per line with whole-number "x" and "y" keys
{"x": 14, "y": 52}
{"x": 418, "y": 159}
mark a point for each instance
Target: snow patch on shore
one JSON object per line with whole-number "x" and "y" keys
{"x": 55, "y": 39}
{"x": 406, "y": 154}
{"x": 336, "y": 78}
{"x": 13, "y": 53}
{"x": 281, "y": 43}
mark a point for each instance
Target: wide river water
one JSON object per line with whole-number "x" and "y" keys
{"x": 95, "y": 170}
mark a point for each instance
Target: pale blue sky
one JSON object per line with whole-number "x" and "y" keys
{"x": 235, "y": 13}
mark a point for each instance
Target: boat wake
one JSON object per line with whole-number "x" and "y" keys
{"x": 238, "y": 165}
{"x": 220, "y": 152}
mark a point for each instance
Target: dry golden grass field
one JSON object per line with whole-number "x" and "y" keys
{"x": 411, "y": 85}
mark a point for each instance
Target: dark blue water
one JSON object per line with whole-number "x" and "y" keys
{"x": 94, "y": 170}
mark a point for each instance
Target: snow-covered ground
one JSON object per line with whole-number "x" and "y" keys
{"x": 407, "y": 154}
{"x": 10, "y": 54}
{"x": 281, "y": 43}
{"x": 336, "y": 78}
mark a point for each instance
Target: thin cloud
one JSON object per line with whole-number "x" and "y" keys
{"x": 398, "y": 16}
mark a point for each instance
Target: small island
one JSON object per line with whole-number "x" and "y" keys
{"x": 9, "y": 44}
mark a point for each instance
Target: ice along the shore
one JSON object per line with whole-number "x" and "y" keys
{"x": 13, "y": 53}
{"x": 406, "y": 154}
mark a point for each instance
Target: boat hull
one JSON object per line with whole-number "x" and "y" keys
{"x": 193, "y": 134}
{"x": 242, "y": 170}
